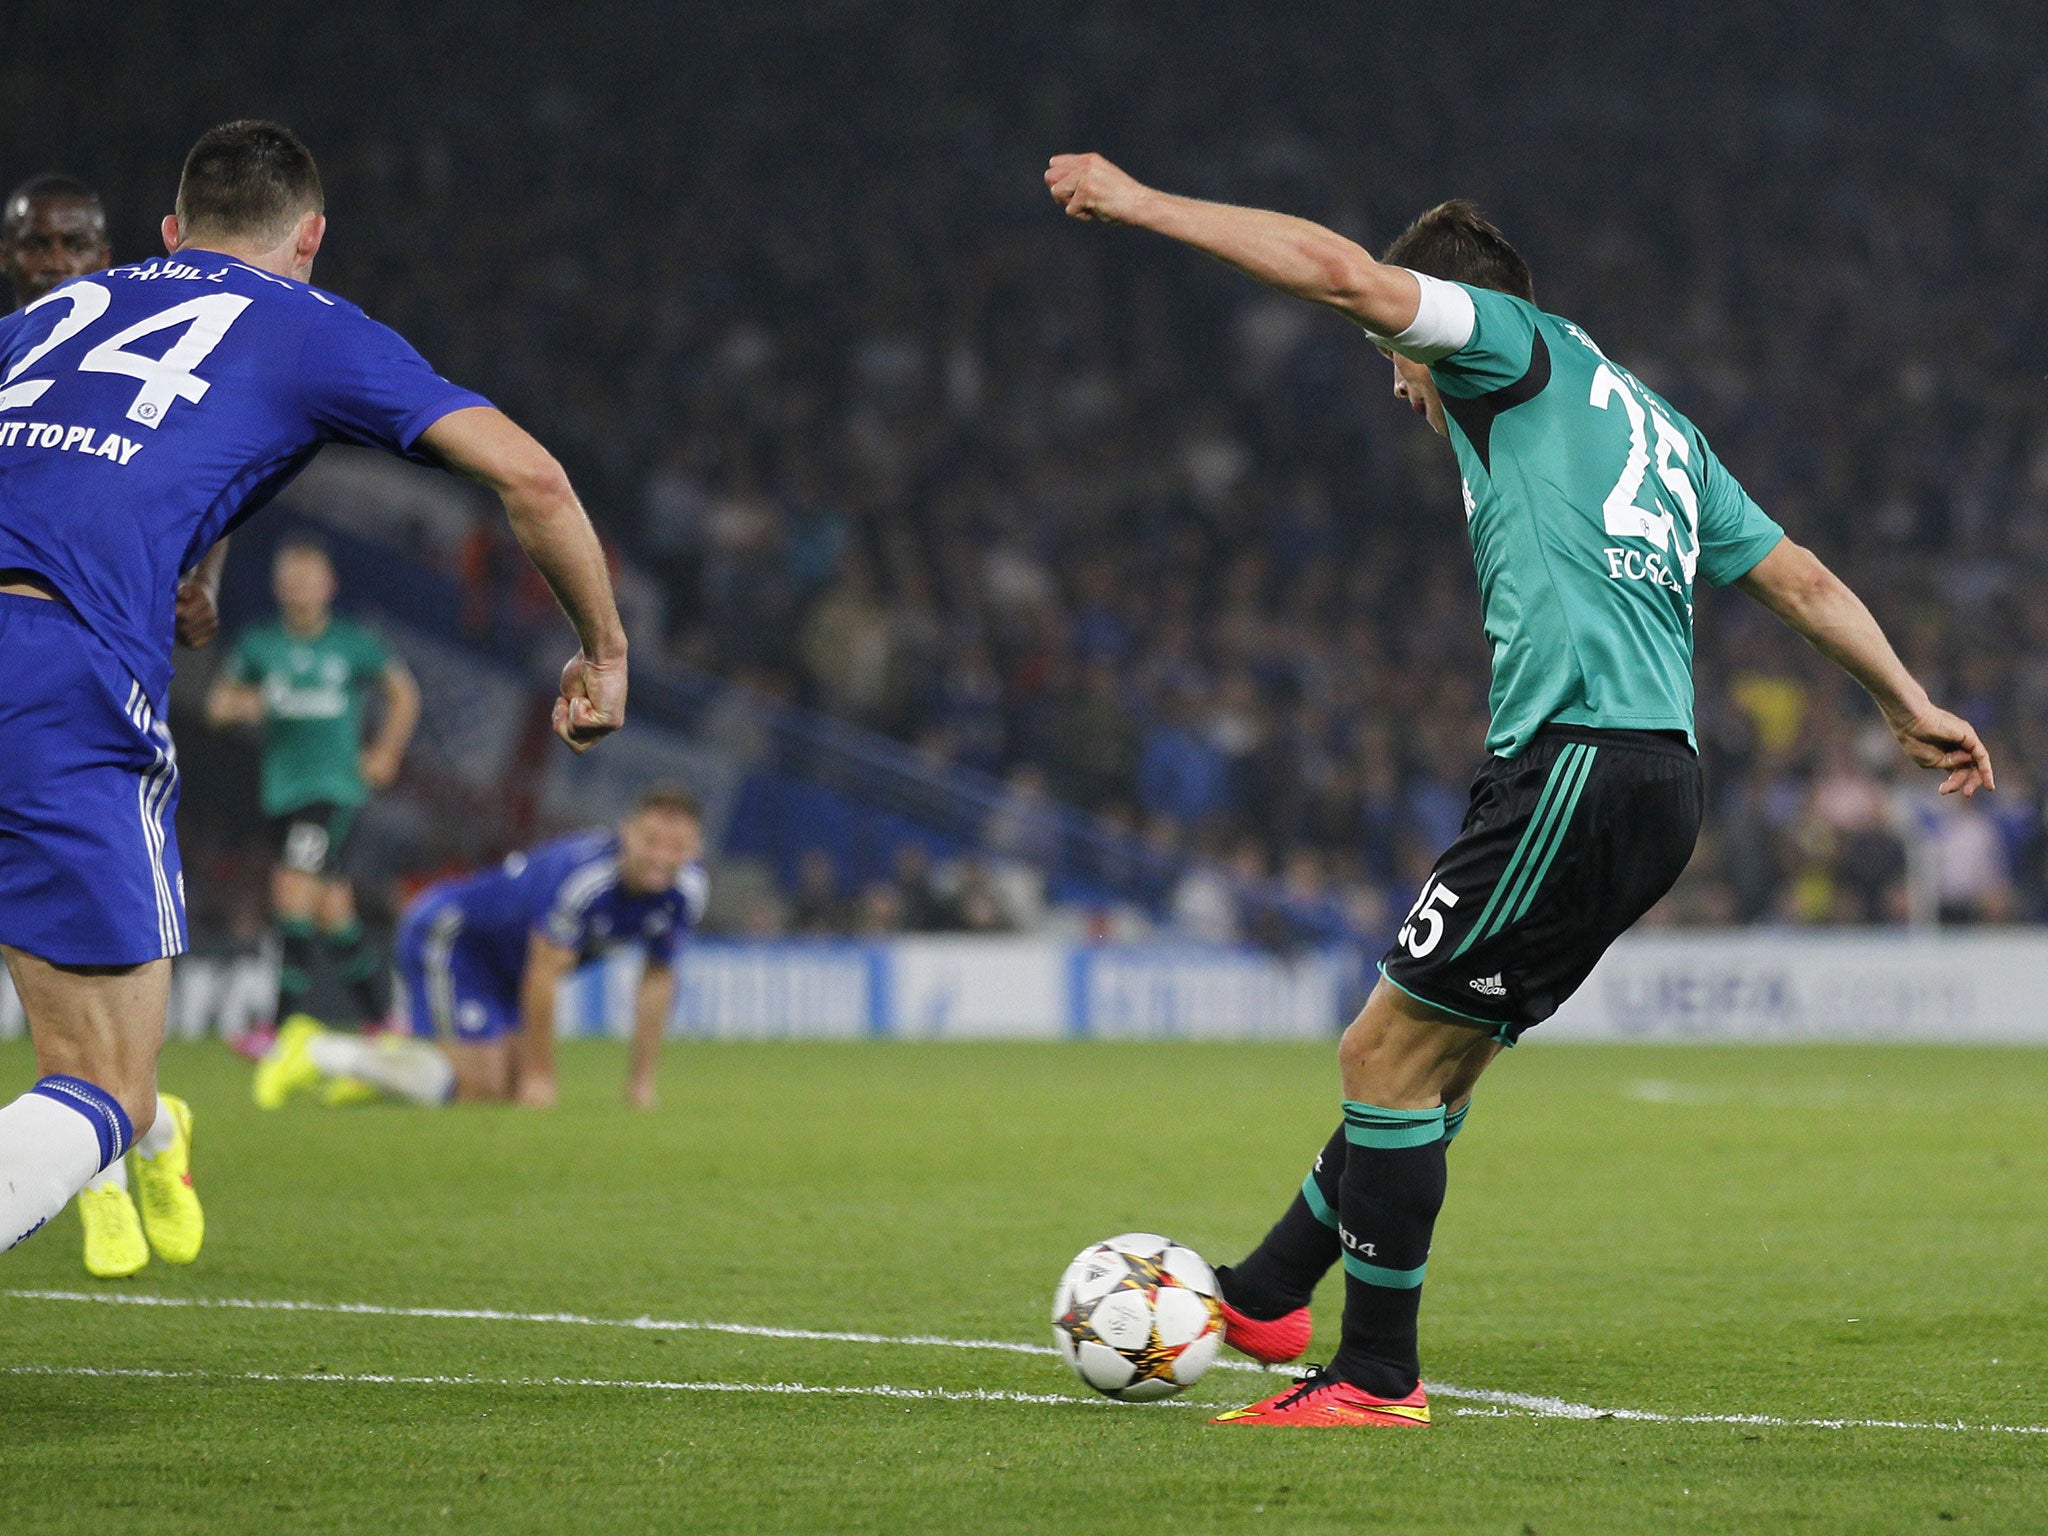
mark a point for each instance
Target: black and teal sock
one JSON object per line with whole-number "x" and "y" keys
{"x": 357, "y": 963}
{"x": 1283, "y": 1271}
{"x": 1392, "y": 1189}
{"x": 296, "y": 941}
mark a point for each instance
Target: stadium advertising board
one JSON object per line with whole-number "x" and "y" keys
{"x": 1781, "y": 986}
{"x": 1693, "y": 986}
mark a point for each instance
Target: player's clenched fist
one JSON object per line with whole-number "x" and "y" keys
{"x": 1089, "y": 187}
{"x": 593, "y": 701}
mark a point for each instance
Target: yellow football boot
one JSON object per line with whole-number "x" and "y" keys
{"x": 287, "y": 1067}
{"x": 170, "y": 1206}
{"x": 347, "y": 1092}
{"x": 114, "y": 1247}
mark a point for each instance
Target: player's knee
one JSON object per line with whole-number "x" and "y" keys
{"x": 1361, "y": 1050}
{"x": 337, "y": 906}
{"x": 294, "y": 893}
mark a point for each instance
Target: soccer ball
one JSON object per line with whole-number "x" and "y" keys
{"x": 1138, "y": 1317}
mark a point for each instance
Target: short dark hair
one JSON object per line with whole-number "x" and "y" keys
{"x": 53, "y": 186}
{"x": 248, "y": 178}
{"x": 672, "y": 799}
{"x": 1457, "y": 242}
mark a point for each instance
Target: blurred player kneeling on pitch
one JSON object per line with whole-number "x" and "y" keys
{"x": 482, "y": 959}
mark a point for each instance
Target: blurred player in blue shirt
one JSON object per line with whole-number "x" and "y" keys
{"x": 145, "y": 411}
{"x": 482, "y": 959}
{"x": 52, "y": 229}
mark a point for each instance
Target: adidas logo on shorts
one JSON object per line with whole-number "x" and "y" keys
{"x": 1489, "y": 986}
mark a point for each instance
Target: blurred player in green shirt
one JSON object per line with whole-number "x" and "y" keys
{"x": 303, "y": 681}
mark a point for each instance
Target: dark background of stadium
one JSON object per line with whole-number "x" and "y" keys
{"x": 781, "y": 285}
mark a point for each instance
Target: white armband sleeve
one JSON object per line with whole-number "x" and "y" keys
{"x": 1442, "y": 325}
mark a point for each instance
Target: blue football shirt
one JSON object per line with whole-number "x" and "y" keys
{"x": 148, "y": 410}
{"x": 569, "y": 891}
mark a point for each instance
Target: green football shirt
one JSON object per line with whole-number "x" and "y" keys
{"x": 1593, "y": 507}
{"x": 312, "y": 710}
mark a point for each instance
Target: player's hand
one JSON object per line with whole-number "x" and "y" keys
{"x": 379, "y": 770}
{"x": 535, "y": 1091}
{"x": 1934, "y": 738}
{"x": 640, "y": 1093}
{"x": 593, "y": 701}
{"x": 1089, "y": 187}
{"x": 198, "y": 618}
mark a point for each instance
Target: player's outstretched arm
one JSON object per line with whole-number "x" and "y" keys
{"x": 650, "y": 1018}
{"x": 1794, "y": 585}
{"x": 548, "y": 964}
{"x": 1296, "y": 256}
{"x": 550, "y": 524}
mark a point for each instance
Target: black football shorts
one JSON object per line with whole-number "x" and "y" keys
{"x": 1563, "y": 848}
{"x": 314, "y": 838}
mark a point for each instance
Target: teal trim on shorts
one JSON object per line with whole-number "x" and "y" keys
{"x": 1560, "y": 823}
{"x": 1456, "y": 1013}
{"x": 1380, "y": 1275}
{"x": 1491, "y": 918}
{"x": 1312, "y": 1195}
{"x": 1454, "y": 1120}
{"x": 1367, "y": 1125}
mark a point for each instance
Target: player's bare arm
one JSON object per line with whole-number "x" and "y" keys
{"x": 548, "y": 965}
{"x": 231, "y": 702}
{"x": 650, "y": 1017}
{"x": 488, "y": 446}
{"x": 1793, "y": 583}
{"x": 381, "y": 758}
{"x": 198, "y": 609}
{"x": 1296, "y": 256}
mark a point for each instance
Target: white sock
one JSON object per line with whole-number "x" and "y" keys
{"x": 410, "y": 1069}
{"x": 115, "y": 1173}
{"x": 47, "y": 1152}
{"x": 162, "y": 1132}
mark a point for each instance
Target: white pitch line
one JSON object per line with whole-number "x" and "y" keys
{"x": 574, "y": 1319}
{"x": 1527, "y": 1403}
{"x": 1531, "y": 1405}
{"x": 777, "y": 1388}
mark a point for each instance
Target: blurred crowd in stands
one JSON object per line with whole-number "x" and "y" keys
{"x": 1079, "y": 510}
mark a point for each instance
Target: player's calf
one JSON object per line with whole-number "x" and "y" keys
{"x": 96, "y": 1033}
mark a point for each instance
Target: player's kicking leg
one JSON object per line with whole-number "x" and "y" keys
{"x": 1401, "y": 1061}
{"x": 1266, "y": 1296}
{"x": 1564, "y": 848}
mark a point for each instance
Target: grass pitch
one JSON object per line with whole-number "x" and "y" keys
{"x": 1825, "y": 1234}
